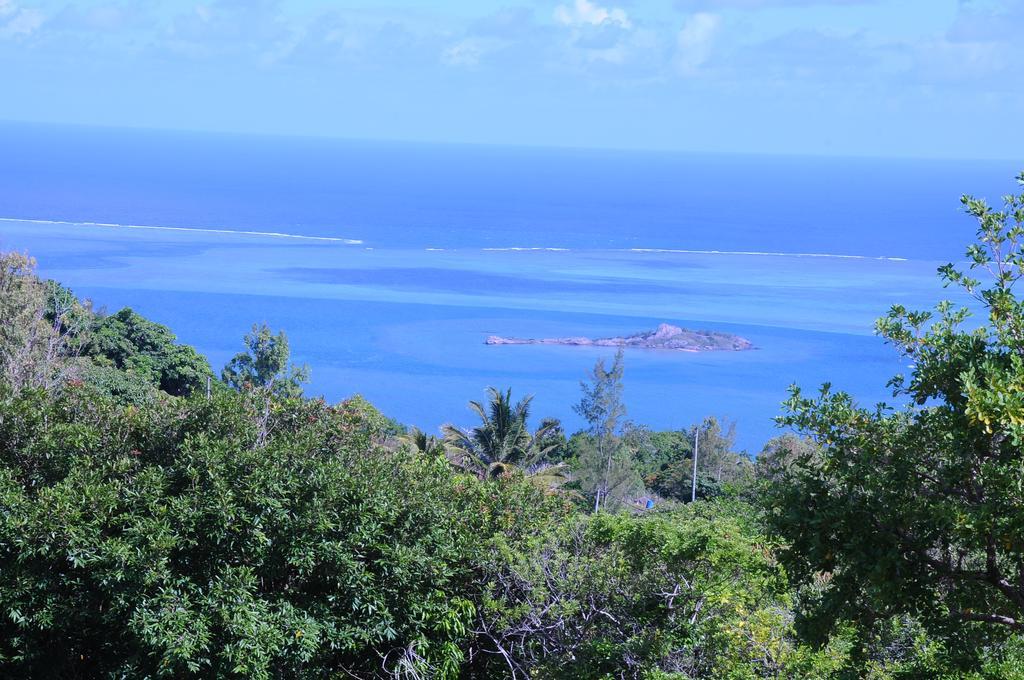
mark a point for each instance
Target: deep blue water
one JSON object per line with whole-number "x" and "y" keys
{"x": 411, "y": 268}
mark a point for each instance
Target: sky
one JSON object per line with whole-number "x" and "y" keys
{"x": 917, "y": 78}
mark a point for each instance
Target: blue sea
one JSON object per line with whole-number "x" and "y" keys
{"x": 389, "y": 263}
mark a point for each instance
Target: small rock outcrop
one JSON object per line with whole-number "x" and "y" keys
{"x": 665, "y": 336}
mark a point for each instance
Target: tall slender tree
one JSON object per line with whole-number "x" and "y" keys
{"x": 602, "y": 407}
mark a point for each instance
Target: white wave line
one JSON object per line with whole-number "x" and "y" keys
{"x": 763, "y": 253}
{"x": 685, "y": 251}
{"x": 523, "y": 249}
{"x": 204, "y": 230}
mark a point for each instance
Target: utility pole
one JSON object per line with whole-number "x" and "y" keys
{"x": 604, "y": 483}
{"x": 696, "y": 441}
{"x": 207, "y": 388}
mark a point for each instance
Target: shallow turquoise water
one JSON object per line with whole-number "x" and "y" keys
{"x": 406, "y": 327}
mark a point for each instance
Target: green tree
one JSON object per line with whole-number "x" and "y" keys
{"x": 607, "y": 468}
{"x": 126, "y": 388}
{"x": 602, "y": 408}
{"x": 380, "y": 428}
{"x": 49, "y": 337}
{"x": 133, "y": 344}
{"x": 427, "y": 444}
{"x": 918, "y": 510}
{"x": 552, "y": 441}
{"x": 675, "y": 481}
{"x": 718, "y": 465}
{"x": 168, "y": 542}
{"x": 37, "y": 325}
{"x": 693, "y": 593}
{"x": 503, "y": 443}
{"x": 780, "y": 454}
{"x": 655, "y": 449}
{"x": 70, "y": 318}
{"x": 264, "y": 366}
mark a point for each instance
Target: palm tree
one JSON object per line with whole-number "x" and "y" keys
{"x": 503, "y": 443}
{"x": 424, "y": 443}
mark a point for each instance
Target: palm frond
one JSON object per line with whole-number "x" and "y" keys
{"x": 501, "y": 439}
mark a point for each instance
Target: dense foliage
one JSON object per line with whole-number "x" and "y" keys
{"x": 718, "y": 466}
{"x": 49, "y": 336}
{"x": 160, "y": 541}
{"x": 690, "y": 593}
{"x": 919, "y": 511}
{"x": 147, "y": 351}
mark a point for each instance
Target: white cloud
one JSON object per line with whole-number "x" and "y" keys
{"x": 468, "y": 52}
{"x": 18, "y": 21}
{"x": 986, "y": 22}
{"x": 695, "y": 40}
{"x": 761, "y": 4}
{"x": 584, "y": 12}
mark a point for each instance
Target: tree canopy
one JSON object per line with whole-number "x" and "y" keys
{"x": 265, "y": 365}
{"x": 136, "y": 345}
{"x": 918, "y": 510}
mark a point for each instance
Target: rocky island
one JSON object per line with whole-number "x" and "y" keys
{"x": 665, "y": 336}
